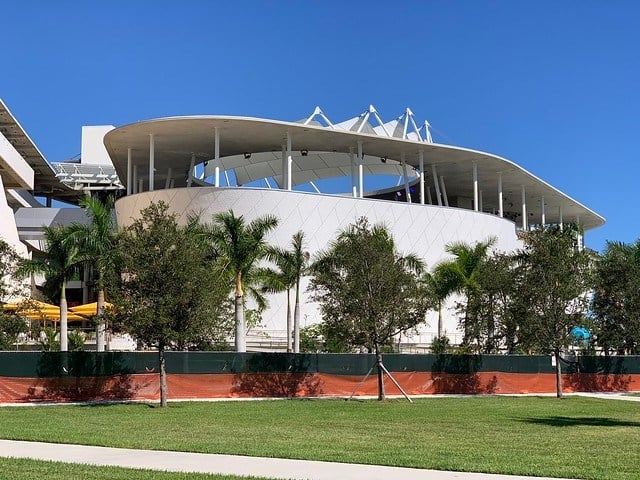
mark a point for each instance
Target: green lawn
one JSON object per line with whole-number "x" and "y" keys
{"x": 576, "y": 437}
{"x": 20, "y": 469}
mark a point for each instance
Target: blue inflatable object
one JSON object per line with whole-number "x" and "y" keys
{"x": 581, "y": 334}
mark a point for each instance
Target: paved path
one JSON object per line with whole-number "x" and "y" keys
{"x": 229, "y": 464}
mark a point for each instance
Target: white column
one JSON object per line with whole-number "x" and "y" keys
{"x": 360, "y": 170}
{"x": 407, "y": 192}
{"x": 354, "y": 186}
{"x": 435, "y": 184}
{"x": 421, "y": 166}
{"x": 500, "y": 199}
{"x": 283, "y": 184}
{"x": 134, "y": 181}
{"x": 216, "y": 157}
{"x": 152, "y": 160}
{"x": 167, "y": 182}
{"x": 525, "y": 222}
{"x": 140, "y": 184}
{"x": 192, "y": 165}
{"x": 560, "y": 217}
{"x": 289, "y": 161}
{"x": 543, "y": 217}
{"x": 445, "y": 198}
{"x": 475, "y": 186}
{"x": 129, "y": 173}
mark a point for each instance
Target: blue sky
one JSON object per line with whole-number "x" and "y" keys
{"x": 551, "y": 85}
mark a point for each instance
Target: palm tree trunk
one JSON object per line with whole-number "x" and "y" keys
{"x": 296, "y": 321}
{"x": 64, "y": 338}
{"x": 100, "y": 340}
{"x": 439, "y": 318}
{"x": 241, "y": 340}
{"x": 289, "y": 321}
{"x": 163, "y": 376}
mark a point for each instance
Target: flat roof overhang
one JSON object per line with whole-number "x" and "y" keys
{"x": 177, "y": 139}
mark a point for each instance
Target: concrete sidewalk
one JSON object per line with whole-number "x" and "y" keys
{"x": 228, "y": 464}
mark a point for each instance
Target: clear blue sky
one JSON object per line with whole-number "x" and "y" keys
{"x": 551, "y": 85}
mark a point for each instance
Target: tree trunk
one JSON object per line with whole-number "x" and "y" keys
{"x": 289, "y": 322}
{"x": 296, "y": 321}
{"x": 163, "y": 377}
{"x": 381, "y": 395}
{"x": 241, "y": 327}
{"x": 64, "y": 337}
{"x": 100, "y": 330}
{"x": 558, "y": 373}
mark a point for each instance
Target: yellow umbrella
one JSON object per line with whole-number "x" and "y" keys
{"x": 37, "y": 310}
{"x": 29, "y": 304}
{"x": 89, "y": 309}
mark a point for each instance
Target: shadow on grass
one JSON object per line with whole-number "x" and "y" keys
{"x": 581, "y": 421}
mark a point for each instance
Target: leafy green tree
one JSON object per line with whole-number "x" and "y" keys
{"x": 616, "y": 301}
{"x": 368, "y": 292}
{"x": 96, "y": 242}
{"x": 292, "y": 265}
{"x": 163, "y": 291}
{"x": 240, "y": 246}
{"x": 59, "y": 266}
{"x": 461, "y": 275}
{"x": 9, "y": 263}
{"x": 11, "y": 326}
{"x": 556, "y": 276}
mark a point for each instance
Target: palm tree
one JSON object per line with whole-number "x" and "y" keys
{"x": 60, "y": 264}
{"x": 460, "y": 275}
{"x": 241, "y": 246}
{"x": 96, "y": 242}
{"x": 292, "y": 266}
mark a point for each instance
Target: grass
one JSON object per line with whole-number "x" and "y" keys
{"x": 21, "y": 469}
{"x": 577, "y": 437}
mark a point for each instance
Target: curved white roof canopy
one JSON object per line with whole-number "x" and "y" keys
{"x": 177, "y": 139}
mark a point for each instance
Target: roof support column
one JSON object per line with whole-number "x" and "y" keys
{"x": 475, "y": 187}
{"x": 543, "y": 217}
{"x": 283, "y": 182}
{"x": 524, "y": 209}
{"x": 429, "y": 196}
{"x": 134, "y": 179}
{"x": 167, "y": 183}
{"x": 217, "y": 156}
{"x": 192, "y": 165}
{"x": 435, "y": 184}
{"x": 500, "y": 198}
{"x": 480, "y": 206}
{"x": 407, "y": 191}
{"x": 445, "y": 198}
{"x": 354, "y": 186}
{"x": 140, "y": 185}
{"x": 421, "y": 166}
{"x": 129, "y": 172}
{"x": 152, "y": 160}
{"x": 360, "y": 170}
{"x": 560, "y": 217}
{"x": 289, "y": 161}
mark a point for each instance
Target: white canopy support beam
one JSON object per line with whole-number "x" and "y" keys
{"x": 543, "y": 216}
{"x": 525, "y": 222}
{"x": 289, "y": 161}
{"x": 443, "y": 188}
{"x": 313, "y": 185}
{"x": 192, "y": 165}
{"x": 354, "y": 187}
{"x": 134, "y": 180}
{"x": 434, "y": 173}
{"x": 129, "y": 172}
{"x": 500, "y": 196}
{"x": 407, "y": 191}
{"x": 421, "y": 167}
{"x": 167, "y": 183}
{"x": 216, "y": 158}
{"x": 360, "y": 170}
{"x": 317, "y": 112}
{"x": 475, "y": 187}
{"x": 283, "y": 182}
{"x": 560, "y": 217}
{"x": 152, "y": 160}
